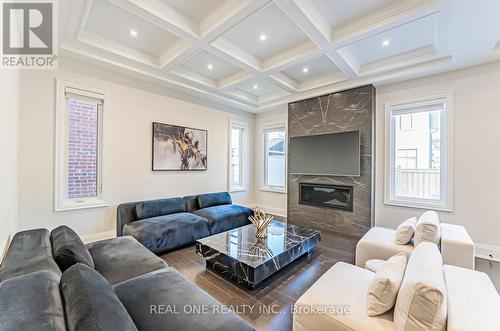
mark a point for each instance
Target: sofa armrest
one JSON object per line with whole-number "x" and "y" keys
{"x": 457, "y": 247}
{"x": 473, "y": 301}
{"x": 379, "y": 243}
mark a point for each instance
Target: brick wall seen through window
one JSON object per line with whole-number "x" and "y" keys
{"x": 83, "y": 149}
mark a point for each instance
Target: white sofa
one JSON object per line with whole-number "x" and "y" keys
{"x": 457, "y": 247}
{"x": 337, "y": 302}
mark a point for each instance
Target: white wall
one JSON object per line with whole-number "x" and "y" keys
{"x": 9, "y": 115}
{"x": 130, "y": 176}
{"x": 272, "y": 202}
{"x": 476, "y": 149}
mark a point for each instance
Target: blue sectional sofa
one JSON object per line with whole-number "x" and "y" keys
{"x": 167, "y": 224}
{"x": 52, "y": 281}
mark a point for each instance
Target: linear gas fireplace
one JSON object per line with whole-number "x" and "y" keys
{"x": 325, "y": 195}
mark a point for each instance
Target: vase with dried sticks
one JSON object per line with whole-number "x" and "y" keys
{"x": 261, "y": 220}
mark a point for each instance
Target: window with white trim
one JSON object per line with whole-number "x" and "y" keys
{"x": 419, "y": 153}
{"x": 275, "y": 158}
{"x": 81, "y": 137}
{"x": 237, "y": 153}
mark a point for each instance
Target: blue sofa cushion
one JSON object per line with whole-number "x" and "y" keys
{"x": 214, "y": 199}
{"x": 32, "y": 302}
{"x": 68, "y": 249}
{"x": 91, "y": 303}
{"x": 162, "y": 233}
{"x": 225, "y": 217}
{"x": 147, "y": 298}
{"x": 29, "y": 251}
{"x": 161, "y": 207}
{"x": 123, "y": 258}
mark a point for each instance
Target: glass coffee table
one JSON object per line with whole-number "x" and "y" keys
{"x": 238, "y": 255}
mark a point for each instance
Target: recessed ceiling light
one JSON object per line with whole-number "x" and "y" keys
{"x": 255, "y": 87}
{"x": 210, "y": 66}
{"x": 262, "y": 37}
{"x": 133, "y": 33}
{"x": 386, "y": 43}
{"x": 305, "y": 70}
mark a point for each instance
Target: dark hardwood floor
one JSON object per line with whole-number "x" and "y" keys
{"x": 269, "y": 306}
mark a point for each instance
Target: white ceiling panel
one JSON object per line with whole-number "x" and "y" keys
{"x": 401, "y": 39}
{"x": 341, "y": 12}
{"x": 258, "y": 87}
{"x": 114, "y": 23}
{"x": 317, "y": 69}
{"x": 343, "y": 43}
{"x": 281, "y": 33}
{"x": 197, "y": 10}
{"x": 209, "y": 65}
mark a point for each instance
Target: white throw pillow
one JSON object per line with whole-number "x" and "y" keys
{"x": 421, "y": 302}
{"x": 406, "y": 231}
{"x": 428, "y": 228}
{"x": 385, "y": 285}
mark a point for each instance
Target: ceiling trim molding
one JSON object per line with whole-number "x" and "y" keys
{"x": 209, "y": 34}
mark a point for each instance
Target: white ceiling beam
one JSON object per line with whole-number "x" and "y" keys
{"x": 165, "y": 16}
{"x": 177, "y": 54}
{"x": 295, "y": 56}
{"x": 234, "y": 54}
{"x": 229, "y": 14}
{"x": 284, "y": 82}
{"x": 232, "y": 80}
{"x": 108, "y": 45}
{"x": 383, "y": 20}
{"x": 310, "y": 20}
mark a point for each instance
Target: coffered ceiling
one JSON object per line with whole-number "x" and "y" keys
{"x": 255, "y": 54}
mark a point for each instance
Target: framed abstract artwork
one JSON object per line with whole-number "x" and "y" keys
{"x": 179, "y": 148}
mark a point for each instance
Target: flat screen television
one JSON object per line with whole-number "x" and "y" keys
{"x": 333, "y": 154}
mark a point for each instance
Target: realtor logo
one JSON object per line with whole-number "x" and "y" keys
{"x": 28, "y": 34}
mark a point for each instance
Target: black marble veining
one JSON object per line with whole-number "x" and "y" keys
{"x": 337, "y": 112}
{"x": 238, "y": 255}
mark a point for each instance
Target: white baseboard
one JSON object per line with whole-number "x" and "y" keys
{"x": 488, "y": 252}
{"x": 98, "y": 236}
{"x": 270, "y": 210}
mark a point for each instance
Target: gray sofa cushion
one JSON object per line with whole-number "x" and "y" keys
{"x": 29, "y": 251}
{"x": 214, "y": 199}
{"x": 91, "y": 303}
{"x": 154, "y": 208}
{"x": 68, "y": 249}
{"x": 162, "y": 233}
{"x": 225, "y": 217}
{"x": 144, "y": 296}
{"x": 32, "y": 302}
{"x": 191, "y": 203}
{"x": 122, "y": 258}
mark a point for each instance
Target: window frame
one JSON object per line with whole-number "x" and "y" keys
{"x": 61, "y": 200}
{"x": 446, "y": 158}
{"x": 264, "y": 129}
{"x": 243, "y": 156}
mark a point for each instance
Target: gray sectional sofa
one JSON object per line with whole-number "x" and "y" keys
{"x": 166, "y": 224}
{"x": 52, "y": 281}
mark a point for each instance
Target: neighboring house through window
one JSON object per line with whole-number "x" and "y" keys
{"x": 275, "y": 157}
{"x": 419, "y": 153}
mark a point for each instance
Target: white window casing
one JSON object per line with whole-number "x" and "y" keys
{"x": 418, "y": 179}
{"x": 66, "y": 91}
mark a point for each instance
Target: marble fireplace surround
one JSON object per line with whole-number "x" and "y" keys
{"x": 332, "y": 113}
